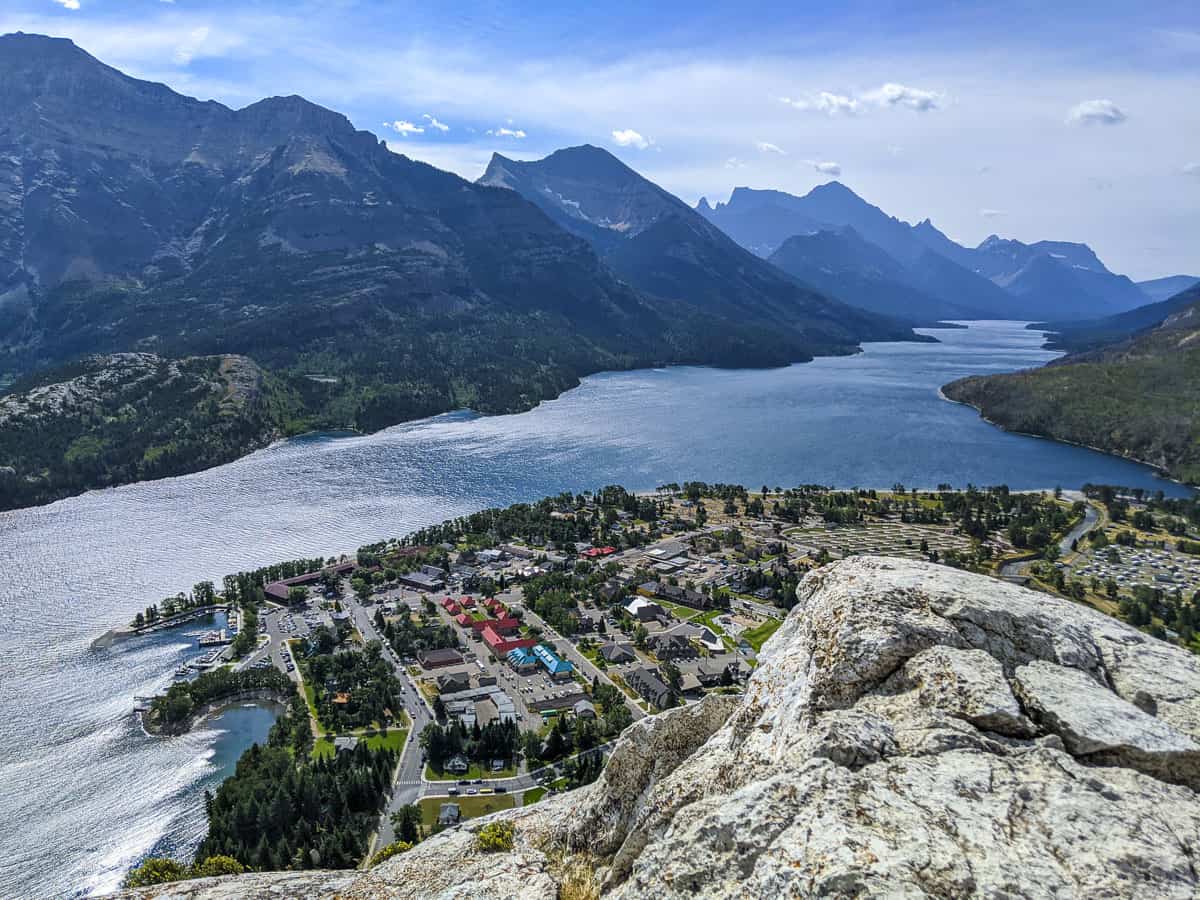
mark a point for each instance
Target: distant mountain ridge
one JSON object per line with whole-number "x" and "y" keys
{"x": 842, "y": 264}
{"x": 661, "y": 246}
{"x": 1165, "y": 288}
{"x": 998, "y": 279}
{"x": 1076, "y": 337}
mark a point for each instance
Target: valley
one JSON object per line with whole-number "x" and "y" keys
{"x": 555, "y": 532}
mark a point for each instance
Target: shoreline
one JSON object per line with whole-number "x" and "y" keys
{"x": 1159, "y": 471}
{"x": 259, "y": 697}
{"x": 277, "y": 438}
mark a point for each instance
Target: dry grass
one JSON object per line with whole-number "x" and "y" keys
{"x": 576, "y": 875}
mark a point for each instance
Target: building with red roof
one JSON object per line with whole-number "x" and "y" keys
{"x": 463, "y": 619}
{"x": 500, "y": 645}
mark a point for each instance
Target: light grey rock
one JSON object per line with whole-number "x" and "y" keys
{"x": 880, "y": 750}
{"x": 966, "y": 684}
{"x": 1096, "y": 724}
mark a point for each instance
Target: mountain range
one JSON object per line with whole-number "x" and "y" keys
{"x": 667, "y": 250}
{"x": 998, "y": 279}
{"x": 369, "y": 287}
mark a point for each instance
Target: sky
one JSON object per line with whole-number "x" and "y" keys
{"x": 1061, "y": 121}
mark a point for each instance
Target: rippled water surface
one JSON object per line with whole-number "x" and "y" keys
{"x": 83, "y": 792}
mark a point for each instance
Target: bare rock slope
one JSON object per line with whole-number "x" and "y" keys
{"x": 912, "y": 731}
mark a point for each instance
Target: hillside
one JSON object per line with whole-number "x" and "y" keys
{"x": 662, "y": 247}
{"x": 1089, "y": 335}
{"x": 376, "y": 288}
{"x": 843, "y": 265}
{"x": 998, "y": 279}
{"x": 1139, "y": 398}
{"x": 910, "y": 731}
{"x": 108, "y": 420}
{"x": 1165, "y": 288}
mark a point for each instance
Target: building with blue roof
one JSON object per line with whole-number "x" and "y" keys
{"x": 556, "y": 666}
{"x": 521, "y": 659}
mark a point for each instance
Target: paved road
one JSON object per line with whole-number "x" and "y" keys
{"x": 407, "y": 783}
{"x": 1091, "y": 518}
{"x": 585, "y": 665}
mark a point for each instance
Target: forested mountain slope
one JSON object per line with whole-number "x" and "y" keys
{"x": 1139, "y": 398}
{"x": 372, "y": 287}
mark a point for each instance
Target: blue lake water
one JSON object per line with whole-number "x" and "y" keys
{"x": 92, "y": 793}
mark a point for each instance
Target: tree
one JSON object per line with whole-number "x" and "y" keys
{"x": 640, "y": 634}
{"x": 531, "y": 746}
{"x": 297, "y": 595}
{"x": 406, "y": 821}
{"x": 672, "y": 675}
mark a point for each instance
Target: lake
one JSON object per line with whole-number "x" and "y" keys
{"x": 92, "y": 793}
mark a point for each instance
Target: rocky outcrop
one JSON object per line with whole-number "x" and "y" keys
{"x": 911, "y": 731}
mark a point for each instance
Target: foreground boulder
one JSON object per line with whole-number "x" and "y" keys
{"x": 911, "y": 731}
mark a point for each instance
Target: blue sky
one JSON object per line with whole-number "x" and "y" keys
{"x": 1066, "y": 121}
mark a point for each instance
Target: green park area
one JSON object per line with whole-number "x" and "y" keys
{"x": 475, "y": 771}
{"x": 757, "y": 636}
{"x": 393, "y": 740}
{"x": 469, "y": 807}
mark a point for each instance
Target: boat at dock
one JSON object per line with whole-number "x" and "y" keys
{"x": 215, "y": 638}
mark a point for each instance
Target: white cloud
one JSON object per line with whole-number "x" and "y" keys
{"x": 734, "y": 163}
{"x": 768, "y": 147}
{"x": 1192, "y": 168}
{"x": 434, "y": 123}
{"x": 892, "y": 94}
{"x": 190, "y": 47}
{"x": 1095, "y": 112}
{"x": 68, "y": 4}
{"x": 992, "y": 213}
{"x": 404, "y": 127}
{"x": 506, "y": 132}
{"x": 825, "y": 168}
{"x": 627, "y": 137}
{"x": 886, "y": 95}
{"x": 825, "y": 102}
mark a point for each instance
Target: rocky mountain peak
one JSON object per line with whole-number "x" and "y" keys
{"x": 911, "y": 730}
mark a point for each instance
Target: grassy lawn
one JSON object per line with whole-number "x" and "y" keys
{"x": 758, "y": 635}
{"x": 310, "y": 697}
{"x": 476, "y": 771}
{"x": 323, "y": 746}
{"x": 626, "y": 689}
{"x": 678, "y": 610}
{"x": 533, "y": 795}
{"x": 470, "y": 807}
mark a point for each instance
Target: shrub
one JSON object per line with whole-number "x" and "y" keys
{"x": 156, "y": 870}
{"x": 390, "y": 850}
{"x": 496, "y": 836}
{"x": 217, "y": 865}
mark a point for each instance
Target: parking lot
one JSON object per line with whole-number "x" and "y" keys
{"x": 1149, "y": 566}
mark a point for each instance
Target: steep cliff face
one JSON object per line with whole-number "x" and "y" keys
{"x": 912, "y": 731}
